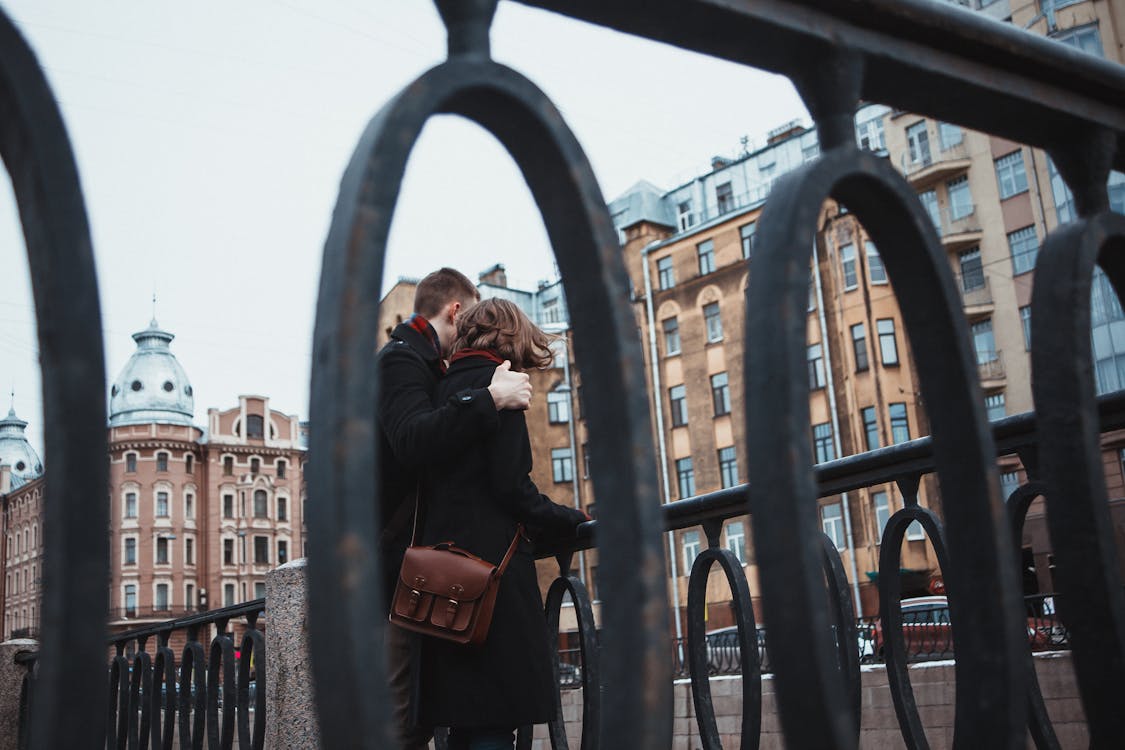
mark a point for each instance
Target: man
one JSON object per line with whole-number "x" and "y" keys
{"x": 413, "y": 431}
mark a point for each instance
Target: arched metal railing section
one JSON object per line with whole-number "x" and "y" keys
{"x": 890, "y": 613}
{"x": 981, "y": 576}
{"x": 1090, "y": 603}
{"x": 1018, "y": 503}
{"x": 569, "y": 584}
{"x": 344, "y": 615}
{"x": 699, "y": 647}
{"x": 214, "y": 693}
{"x": 40, "y": 162}
{"x": 841, "y": 612}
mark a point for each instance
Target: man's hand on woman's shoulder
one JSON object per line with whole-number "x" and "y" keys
{"x": 510, "y": 390}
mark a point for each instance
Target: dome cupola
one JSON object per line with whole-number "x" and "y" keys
{"x": 16, "y": 452}
{"x": 152, "y": 387}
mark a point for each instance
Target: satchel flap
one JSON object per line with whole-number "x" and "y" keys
{"x": 448, "y": 573}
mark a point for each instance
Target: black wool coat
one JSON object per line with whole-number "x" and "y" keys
{"x": 476, "y": 501}
{"x": 410, "y": 427}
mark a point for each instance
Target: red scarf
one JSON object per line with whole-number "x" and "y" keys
{"x": 485, "y": 353}
{"x": 419, "y": 323}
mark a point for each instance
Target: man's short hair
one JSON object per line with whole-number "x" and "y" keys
{"x": 441, "y": 287}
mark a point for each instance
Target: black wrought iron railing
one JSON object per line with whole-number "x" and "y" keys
{"x": 931, "y": 58}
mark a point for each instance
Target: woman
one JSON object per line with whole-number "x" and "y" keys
{"x": 477, "y": 499}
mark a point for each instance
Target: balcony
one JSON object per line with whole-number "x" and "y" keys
{"x": 934, "y": 164}
{"x": 957, "y": 233}
{"x": 976, "y": 295}
{"x": 990, "y": 365}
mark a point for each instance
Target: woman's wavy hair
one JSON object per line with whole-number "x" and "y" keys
{"x": 500, "y": 326}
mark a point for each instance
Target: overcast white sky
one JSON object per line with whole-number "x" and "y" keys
{"x": 211, "y": 136}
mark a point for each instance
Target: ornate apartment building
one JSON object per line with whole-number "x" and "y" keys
{"x": 198, "y": 515}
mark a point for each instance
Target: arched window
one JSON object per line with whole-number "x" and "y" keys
{"x": 34, "y": 536}
{"x": 261, "y": 504}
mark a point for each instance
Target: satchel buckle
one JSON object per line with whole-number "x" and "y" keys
{"x": 451, "y": 610}
{"x": 415, "y": 595}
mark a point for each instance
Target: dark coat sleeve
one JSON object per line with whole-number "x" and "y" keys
{"x": 509, "y": 469}
{"x": 414, "y": 427}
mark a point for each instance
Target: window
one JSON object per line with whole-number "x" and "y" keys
{"x": 983, "y": 341}
{"x": 1011, "y": 176}
{"x": 189, "y": 551}
{"x": 228, "y": 552}
{"x": 900, "y": 425}
{"x": 228, "y": 595}
{"x": 130, "y": 504}
{"x": 929, "y": 202}
{"x": 691, "y": 549}
{"x": 960, "y": 199}
{"x": 870, "y": 135}
{"x": 736, "y": 540}
{"x": 130, "y": 600}
{"x": 671, "y": 336}
{"x": 585, "y": 460}
{"x": 875, "y": 269}
{"x": 713, "y": 322}
{"x": 915, "y": 532}
{"x": 1025, "y": 321}
{"x": 677, "y": 397}
{"x": 131, "y": 463}
{"x": 823, "y": 445}
{"x": 816, "y": 367}
{"x": 255, "y": 465}
{"x": 228, "y": 506}
{"x": 720, "y": 394}
{"x": 558, "y": 407}
{"x": 832, "y": 522}
{"x": 870, "y": 428}
{"x": 685, "y": 475}
{"x": 882, "y": 513}
{"x": 684, "y": 216}
{"x": 254, "y": 426}
{"x": 281, "y": 468}
{"x": 562, "y": 465}
{"x": 888, "y": 348}
{"x": 161, "y": 504}
{"x": 972, "y": 270}
{"x": 189, "y": 505}
{"x": 1009, "y": 482}
{"x": 189, "y": 598}
{"x": 161, "y": 597}
{"x": 189, "y": 463}
{"x": 130, "y": 550}
{"x": 994, "y": 406}
{"x": 918, "y": 139}
{"x": 724, "y": 196}
{"x": 228, "y": 465}
{"x": 706, "y": 251}
{"x": 261, "y": 550}
{"x": 749, "y": 234}
{"x": 1083, "y": 38}
{"x": 847, "y": 264}
{"x": 551, "y": 312}
{"x": 859, "y": 345}
{"x": 1024, "y": 247}
{"x": 949, "y": 135}
{"x": 728, "y": 467}
{"x": 665, "y": 273}
{"x": 283, "y": 509}
{"x": 282, "y": 552}
{"x": 162, "y": 461}
{"x": 161, "y": 550}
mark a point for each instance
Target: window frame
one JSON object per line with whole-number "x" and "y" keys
{"x": 705, "y": 257}
{"x": 665, "y": 273}
{"x": 671, "y": 329}
{"x": 849, "y": 272}
{"x": 720, "y": 393}
{"x": 713, "y": 322}
{"x": 562, "y": 465}
{"x": 677, "y": 405}
{"x": 888, "y": 343}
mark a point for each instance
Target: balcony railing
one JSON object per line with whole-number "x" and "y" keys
{"x": 974, "y": 289}
{"x": 990, "y": 365}
{"x": 934, "y": 163}
{"x": 150, "y": 613}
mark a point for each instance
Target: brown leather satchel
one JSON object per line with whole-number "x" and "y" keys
{"x": 447, "y": 592}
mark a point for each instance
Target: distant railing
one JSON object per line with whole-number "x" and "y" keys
{"x": 990, "y": 365}
{"x": 974, "y": 289}
{"x": 150, "y": 613}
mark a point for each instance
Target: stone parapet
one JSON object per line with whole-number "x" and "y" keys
{"x": 290, "y": 704}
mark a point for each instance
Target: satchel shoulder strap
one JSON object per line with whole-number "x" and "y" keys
{"x": 511, "y": 551}
{"x": 507, "y": 555}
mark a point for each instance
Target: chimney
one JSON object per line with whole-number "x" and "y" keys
{"x": 718, "y": 162}
{"x": 494, "y": 276}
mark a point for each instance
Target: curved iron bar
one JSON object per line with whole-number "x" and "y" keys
{"x": 1090, "y": 604}
{"x": 164, "y": 696}
{"x": 221, "y": 735}
{"x": 193, "y": 717}
{"x": 118, "y": 703}
{"x": 253, "y": 648}
{"x": 890, "y": 615}
{"x": 40, "y": 162}
{"x": 698, "y": 647}
{"x": 344, "y": 615}
{"x": 844, "y": 626}
{"x": 1038, "y": 722}
{"x": 990, "y": 707}
{"x": 588, "y": 648}
{"x": 140, "y": 700}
